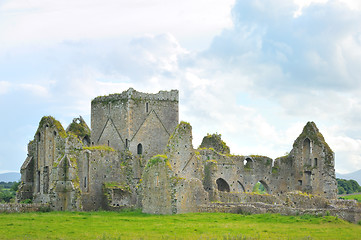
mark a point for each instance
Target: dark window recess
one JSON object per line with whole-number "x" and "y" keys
{"x": 140, "y": 149}
{"x": 222, "y": 185}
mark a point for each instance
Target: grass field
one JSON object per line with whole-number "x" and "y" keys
{"x": 356, "y": 197}
{"x": 135, "y": 225}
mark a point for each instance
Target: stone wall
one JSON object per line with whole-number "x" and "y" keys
{"x": 22, "y": 207}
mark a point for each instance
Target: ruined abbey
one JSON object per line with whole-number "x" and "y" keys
{"x": 138, "y": 154}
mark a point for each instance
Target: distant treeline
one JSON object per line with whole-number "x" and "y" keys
{"x": 8, "y": 191}
{"x": 347, "y": 186}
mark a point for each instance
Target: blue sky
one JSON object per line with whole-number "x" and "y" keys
{"x": 253, "y": 70}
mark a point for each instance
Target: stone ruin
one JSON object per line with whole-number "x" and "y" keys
{"x": 137, "y": 154}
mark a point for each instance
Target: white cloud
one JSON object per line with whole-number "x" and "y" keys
{"x": 44, "y": 22}
{"x": 34, "y": 89}
{"x": 257, "y": 84}
{"x": 4, "y": 87}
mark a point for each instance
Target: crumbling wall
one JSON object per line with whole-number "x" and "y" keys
{"x": 165, "y": 193}
{"x": 308, "y": 168}
{"x": 47, "y": 147}
{"x": 158, "y": 187}
{"x": 214, "y": 141}
{"x": 314, "y": 162}
{"x": 102, "y": 165}
{"x": 184, "y": 160}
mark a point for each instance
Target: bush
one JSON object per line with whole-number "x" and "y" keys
{"x": 347, "y": 186}
{"x": 44, "y": 209}
{"x": 27, "y": 201}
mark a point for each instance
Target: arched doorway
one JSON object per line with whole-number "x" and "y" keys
{"x": 261, "y": 187}
{"x": 222, "y": 185}
{"x": 248, "y": 163}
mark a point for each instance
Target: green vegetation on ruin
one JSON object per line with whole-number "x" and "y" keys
{"x": 52, "y": 122}
{"x": 275, "y": 169}
{"x": 136, "y": 225}
{"x": 116, "y": 185}
{"x": 99, "y": 148}
{"x": 215, "y": 141}
{"x": 79, "y": 128}
{"x": 111, "y": 98}
{"x": 157, "y": 159}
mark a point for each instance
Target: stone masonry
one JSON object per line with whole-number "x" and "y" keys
{"x": 137, "y": 154}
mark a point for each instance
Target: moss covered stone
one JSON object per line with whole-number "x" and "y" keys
{"x": 100, "y": 148}
{"x": 79, "y": 128}
{"x": 157, "y": 159}
{"x": 214, "y": 141}
{"x": 52, "y": 122}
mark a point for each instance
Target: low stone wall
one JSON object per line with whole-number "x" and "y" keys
{"x": 23, "y": 207}
{"x": 349, "y": 214}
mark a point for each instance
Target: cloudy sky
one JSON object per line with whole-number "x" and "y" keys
{"x": 253, "y": 70}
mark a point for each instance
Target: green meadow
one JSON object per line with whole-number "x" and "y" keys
{"x": 357, "y": 197}
{"x": 136, "y": 225}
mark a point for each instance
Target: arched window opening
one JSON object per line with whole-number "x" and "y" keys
{"x": 222, "y": 185}
{"x": 55, "y": 133}
{"x": 248, "y": 163}
{"x": 315, "y": 162}
{"x": 260, "y": 188}
{"x": 86, "y": 141}
{"x": 108, "y": 142}
{"x": 140, "y": 149}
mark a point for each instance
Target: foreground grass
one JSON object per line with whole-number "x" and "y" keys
{"x": 136, "y": 225}
{"x": 357, "y": 197}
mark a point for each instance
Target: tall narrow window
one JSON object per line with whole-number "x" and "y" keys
{"x": 108, "y": 142}
{"x": 306, "y": 151}
{"x": 146, "y": 107}
{"x": 126, "y": 143}
{"x": 140, "y": 149}
{"x": 38, "y": 182}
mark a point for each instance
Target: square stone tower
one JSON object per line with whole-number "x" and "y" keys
{"x": 139, "y": 122}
